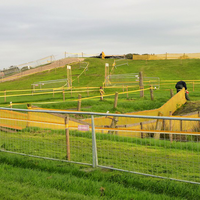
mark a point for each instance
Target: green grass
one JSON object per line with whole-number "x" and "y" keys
{"x": 164, "y": 69}
{"x": 31, "y": 178}
{"x": 175, "y": 160}
{"x": 28, "y": 178}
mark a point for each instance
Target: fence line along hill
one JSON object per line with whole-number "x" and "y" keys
{"x": 55, "y": 64}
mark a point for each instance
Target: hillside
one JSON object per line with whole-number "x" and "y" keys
{"x": 167, "y": 71}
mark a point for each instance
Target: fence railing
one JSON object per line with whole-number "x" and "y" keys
{"x": 153, "y": 147}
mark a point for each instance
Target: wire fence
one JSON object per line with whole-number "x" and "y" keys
{"x": 163, "y": 147}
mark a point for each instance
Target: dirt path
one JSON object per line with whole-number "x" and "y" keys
{"x": 58, "y": 63}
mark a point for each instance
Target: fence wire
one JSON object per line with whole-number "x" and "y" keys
{"x": 164, "y": 147}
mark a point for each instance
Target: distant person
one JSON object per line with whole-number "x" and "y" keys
{"x": 179, "y": 86}
{"x": 102, "y": 55}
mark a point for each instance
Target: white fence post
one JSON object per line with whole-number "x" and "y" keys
{"x": 94, "y": 145}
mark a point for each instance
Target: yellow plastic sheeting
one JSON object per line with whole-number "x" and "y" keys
{"x": 174, "y": 103}
{"x": 49, "y": 121}
{"x": 12, "y": 119}
{"x": 167, "y": 56}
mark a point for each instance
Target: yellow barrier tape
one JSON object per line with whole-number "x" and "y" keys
{"x": 74, "y": 100}
{"x": 111, "y": 94}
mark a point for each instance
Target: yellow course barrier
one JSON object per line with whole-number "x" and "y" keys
{"x": 118, "y": 125}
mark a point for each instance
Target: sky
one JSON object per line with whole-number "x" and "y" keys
{"x": 30, "y": 30}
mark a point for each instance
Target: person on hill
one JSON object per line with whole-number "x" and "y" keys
{"x": 180, "y": 85}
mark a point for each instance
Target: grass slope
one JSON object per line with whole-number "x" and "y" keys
{"x": 26, "y": 178}
{"x": 29, "y": 178}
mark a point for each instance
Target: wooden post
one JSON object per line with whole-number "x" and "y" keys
{"x": 106, "y": 74}
{"x": 113, "y": 125}
{"x": 151, "y": 93}
{"x": 170, "y": 127}
{"x": 127, "y": 92}
{"x": 67, "y": 137}
{"x": 171, "y": 93}
{"x": 181, "y": 125}
{"x": 79, "y": 102}
{"x": 63, "y": 94}
{"x": 4, "y": 95}
{"x": 158, "y": 126}
{"x": 141, "y": 84}
{"x": 141, "y": 127}
{"x": 116, "y": 99}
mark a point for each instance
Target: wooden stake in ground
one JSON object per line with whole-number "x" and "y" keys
{"x": 67, "y": 137}
{"x": 69, "y": 76}
{"x": 106, "y": 74}
{"x": 151, "y": 93}
{"x": 116, "y": 99}
{"x": 171, "y": 93}
{"x": 141, "y": 127}
{"x": 79, "y": 102}
{"x": 141, "y": 86}
{"x": 158, "y": 126}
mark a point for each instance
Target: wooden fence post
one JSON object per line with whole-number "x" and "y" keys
{"x": 116, "y": 99}
{"x": 151, "y": 93}
{"x": 181, "y": 125}
{"x": 67, "y": 137}
{"x": 141, "y": 84}
{"x": 79, "y": 102}
{"x": 141, "y": 127}
{"x": 158, "y": 126}
{"x": 127, "y": 92}
{"x": 171, "y": 93}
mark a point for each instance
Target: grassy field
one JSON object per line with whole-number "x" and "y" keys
{"x": 27, "y": 178}
{"x": 169, "y": 72}
{"x": 33, "y": 178}
{"x": 30, "y": 178}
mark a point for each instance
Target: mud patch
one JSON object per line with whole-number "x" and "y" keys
{"x": 188, "y": 107}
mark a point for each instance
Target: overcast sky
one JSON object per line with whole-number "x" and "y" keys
{"x": 30, "y": 30}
